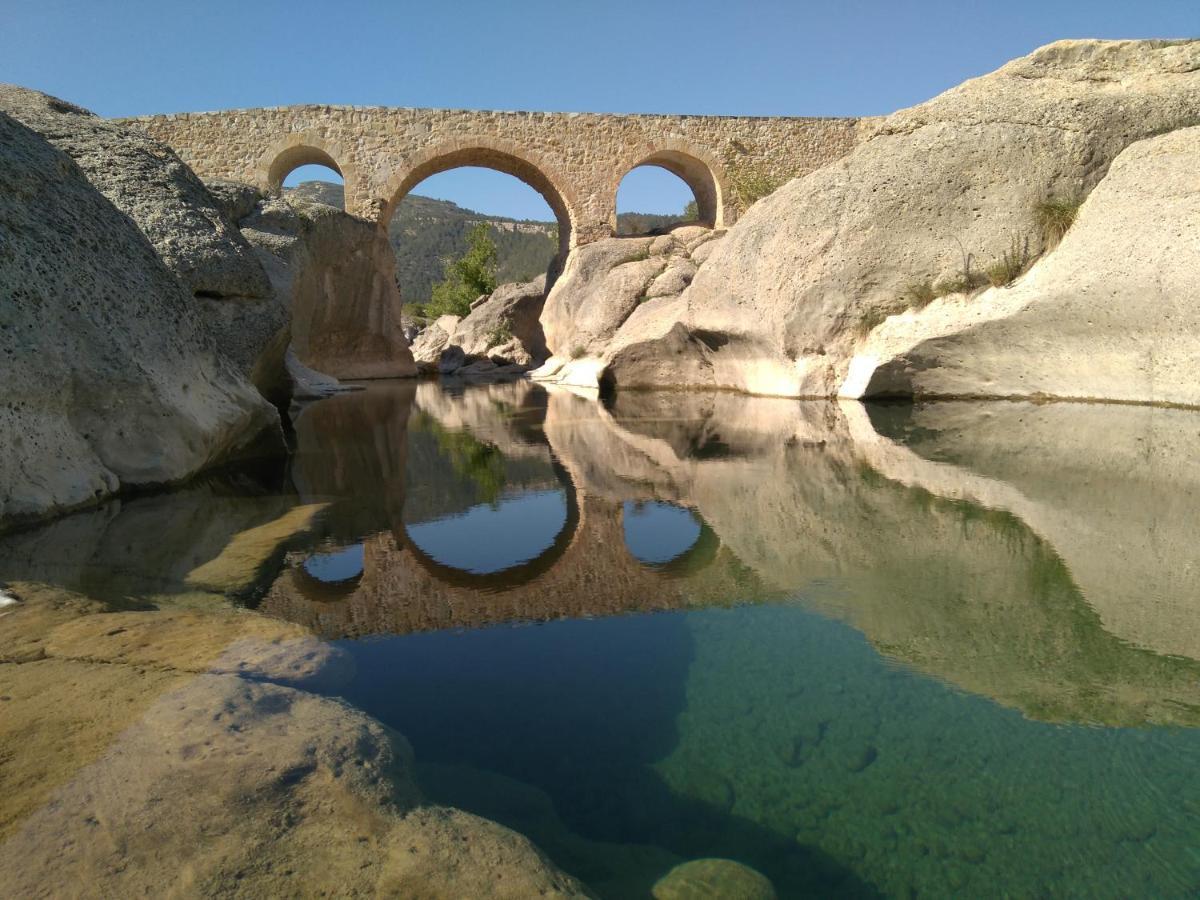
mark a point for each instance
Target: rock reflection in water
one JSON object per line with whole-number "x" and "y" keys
{"x": 969, "y": 576}
{"x": 1038, "y": 556}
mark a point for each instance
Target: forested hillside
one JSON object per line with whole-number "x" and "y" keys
{"x": 425, "y": 231}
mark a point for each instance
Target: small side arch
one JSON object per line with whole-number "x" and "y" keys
{"x": 305, "y": 149}
{"x": 501, "y": 156}
{"x": 696, "y": 168}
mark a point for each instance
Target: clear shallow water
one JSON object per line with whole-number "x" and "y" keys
{"x": 930, "y": 651}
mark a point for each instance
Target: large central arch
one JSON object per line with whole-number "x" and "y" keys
{"x": 500, "y": 156}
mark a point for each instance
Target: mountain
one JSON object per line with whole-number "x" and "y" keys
{"x": 425, "y": 231}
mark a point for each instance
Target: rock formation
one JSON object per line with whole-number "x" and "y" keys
{"x": 1111, "y": 313}
{"x": 185, "y": 734}
{"x": 500, "y": 337}
{"x": 930, "y": 199}
{"x": 111, "y": 378}
{"x": 608, "y": 288}
{"x": 335, "y": 274}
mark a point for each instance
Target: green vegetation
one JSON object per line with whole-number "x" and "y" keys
{"x": 424, "y": 231}
{"x": 479, "y": 462}
{"x": 751, "y": 187}
{"x": 467, "y": 277}
{"x": 578, "y": 351}
{"x": 1054, "y": 216}
{"x": 919, "y": 294}
{"x": 501, "y": 334}
{"x": 691, "y": 212}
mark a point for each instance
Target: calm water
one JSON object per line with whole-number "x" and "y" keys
{"x": 940, "y": 650}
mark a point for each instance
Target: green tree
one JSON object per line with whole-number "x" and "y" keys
{"x": 691, "y": 212}
{"x": 467, "y": 277}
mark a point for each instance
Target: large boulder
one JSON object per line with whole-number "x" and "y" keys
{"x": 1111, "y": 313}
{"x": 146, "y": 180}
{"x": 110, "y": 376}
{"x": 501, "y": 336}
{"x": 612, "y": 287}
{"x": 930, "y": 198}
{"x": 506, "y": 324}
{"x": 336, "y": 275}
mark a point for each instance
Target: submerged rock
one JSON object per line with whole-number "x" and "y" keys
{"x": 247, "y": 785}
{"x": 713, "y": 879}
{"x": 111, "y": 378}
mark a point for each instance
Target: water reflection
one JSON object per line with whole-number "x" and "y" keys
{"x": 879, "y": 621}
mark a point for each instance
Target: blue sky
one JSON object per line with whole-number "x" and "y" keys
{"x": 837, "y": 57}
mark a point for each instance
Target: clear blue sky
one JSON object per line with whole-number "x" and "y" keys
{"x": 747, "y": 57}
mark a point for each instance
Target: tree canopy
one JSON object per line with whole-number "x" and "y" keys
{"x": 467, "y": 277}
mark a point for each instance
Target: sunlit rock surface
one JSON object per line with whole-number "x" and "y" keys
{"x": 335, "y": 274}
{"x": 622, "y": 285}
{"x": 932, "y": 192}
{"x": 111, "y": 378}
{"x": 1110, "y": 313}
{"x": 499, "y": 338}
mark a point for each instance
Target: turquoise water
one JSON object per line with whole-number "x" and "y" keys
{"x": 902, "y": 651}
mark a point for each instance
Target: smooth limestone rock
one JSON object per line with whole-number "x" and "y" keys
{"x": 1111, "y": 313}
{"x": 807, "y": 270}
{"x": 110, "y": 376}
{"x": 132, "y": 735}
{"x": 614, "y": 287}
{"x": 191, "y": 229}
{"x": 336, "y": 275}
{"x": 508, "y": 319}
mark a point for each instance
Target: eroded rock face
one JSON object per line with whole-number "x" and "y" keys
{"x": 1111, "y": 313}
{"x": 111, "y": 378}
{"x": 808, "y": 269}
{"x": 148, "y": 182}
{"x": 336, "y": 275}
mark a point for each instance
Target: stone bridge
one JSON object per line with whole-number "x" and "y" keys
{"x": 574, "y": 160}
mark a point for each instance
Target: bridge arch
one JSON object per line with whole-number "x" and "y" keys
{"x": 501, "y": 156}
{"x": 306, "y": 149}
{"x": 696, "y": 168}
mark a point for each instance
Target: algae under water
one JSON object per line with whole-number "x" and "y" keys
{"x": 945, "y": 649}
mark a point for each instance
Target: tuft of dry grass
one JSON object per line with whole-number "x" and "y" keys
{"x": 1054, "y": 216}
{"x": 1011, "y": 263}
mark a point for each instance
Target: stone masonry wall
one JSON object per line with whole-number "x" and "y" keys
{"x": 575, "y": 160}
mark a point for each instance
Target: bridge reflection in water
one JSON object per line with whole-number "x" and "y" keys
{"x": 352, "y": 454}
{"x": 1060, "y": 588}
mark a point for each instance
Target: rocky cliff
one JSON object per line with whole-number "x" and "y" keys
{"x": 937, "y": 200}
